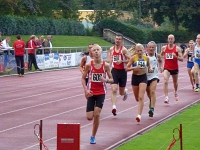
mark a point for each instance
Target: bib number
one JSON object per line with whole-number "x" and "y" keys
{"x": 198, "y": 55}
{"x": 190, "y": 59}
{"x": 142, "y": 64}
{"x": 96, "y": 77}
{"x": 116, "y": 58}
{"x": 169, "y": 56}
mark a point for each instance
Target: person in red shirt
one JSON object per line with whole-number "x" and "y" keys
{"x": 95, "y": 90}
{"x": 31, "y": 53}
{"x": 118, "y": 57}
{"x": 19, "y": 48}
{"x": 172, "y": 54}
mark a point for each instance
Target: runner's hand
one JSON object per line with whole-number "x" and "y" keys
{"x": 88, "y": 94}
{"x": 102, "y": 79}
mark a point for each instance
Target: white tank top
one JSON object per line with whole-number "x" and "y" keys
{"x": 154, "y": 64}
{"x": 196, "y": 52}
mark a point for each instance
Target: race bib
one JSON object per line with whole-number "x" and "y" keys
{"x": 116, "y": 58}
{"x": 198, "y": 55}
{"x": 141, "y": 63}
{"x": 190, "y": 59}
{"x": 96, "y": 77}
{"x": 169, "y": 56}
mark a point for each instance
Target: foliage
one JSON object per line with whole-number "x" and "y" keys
{"x": 12, "y": 25}
{"x": 46, "y": 8}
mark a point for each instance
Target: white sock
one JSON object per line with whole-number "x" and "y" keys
{"x": 114, "y": 106}
{"x": 166, "y": 97}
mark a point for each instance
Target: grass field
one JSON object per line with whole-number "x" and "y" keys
{"x": 161, "y": 136}
{"x": 68, "y": 41}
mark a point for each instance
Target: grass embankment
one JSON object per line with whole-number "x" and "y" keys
{"x": 68, "y": 41}
{"x": 160, "y": 137}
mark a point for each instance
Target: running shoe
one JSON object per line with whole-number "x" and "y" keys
{"x": 166, "y": 100}
{"x": 138, "y": 118}
{"x": 151, "y": 111}
{"x": 176, "y": 96}
{"x": 197, "y": 89}
{"x": 114, "y": 111}
{"x": 126, "y": 95}
{"x": 92, "y": 140}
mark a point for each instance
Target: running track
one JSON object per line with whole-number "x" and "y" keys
{"x": 57, "y": 97}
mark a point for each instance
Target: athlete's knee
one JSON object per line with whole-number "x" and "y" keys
{"x": 140, "y": 98}
{"x": 114, "y": 90}
{"x": 152, "y": 92}
{"x": 165, "y": 81}
{"x": 196, "y": 72}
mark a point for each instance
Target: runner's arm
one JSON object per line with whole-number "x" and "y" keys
{"x": 87, "y": 68}
{"x": 126, "y": 54}
{"x": 185, "y": 53}
{"x": 82, "y": 64}
{"x": 180, "y": 56}
{"x": 110, "y": 80}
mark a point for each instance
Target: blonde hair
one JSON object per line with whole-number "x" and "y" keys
{"x": 97, "y": 45}
{"x": 132, "y": 51}
{"x": 139, "y": 46}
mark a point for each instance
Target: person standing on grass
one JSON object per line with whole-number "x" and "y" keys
{"x": 196, "y": 55}
{"x": 152, "y": 77}
{"x": 118, "y": 57}
{"x": 190, "y": 64}
{"x": 19, "y": 48}
{"x": 95, "y": 90}
{"x": 139, "y": 65}
{"x": 87, "y": 57}
{"x": 172, "y": 54}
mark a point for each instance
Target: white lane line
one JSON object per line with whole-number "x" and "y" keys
{"x": 14, "y": 111}
{"x": 44, "y": 103}
{"x": 101, "y": 118}
{"x": 38, "y": 94}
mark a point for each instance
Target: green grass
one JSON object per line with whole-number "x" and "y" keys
{"x": 160, "y": 137}
{"x": 68, "y": 41}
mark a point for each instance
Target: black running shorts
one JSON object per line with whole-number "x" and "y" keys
{"x": 95, "y": 101}
{"x": 137, "y": 79}
{"x": 119, "y": 77}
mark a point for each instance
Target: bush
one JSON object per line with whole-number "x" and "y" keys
{"x": 12, "y": 25}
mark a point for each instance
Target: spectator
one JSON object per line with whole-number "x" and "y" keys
{"x": 38, "y": 43}
{"x": 5, "y": 45}
{"x": 31, "y": 53}
{"x": 48, "y": 44}
{"x": 19, "y": 47}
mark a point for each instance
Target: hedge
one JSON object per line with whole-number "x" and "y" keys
{"x": 13, "y": 25}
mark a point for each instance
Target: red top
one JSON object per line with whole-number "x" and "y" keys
{"x": 19, "y": 46}
{"x": 94, "y": 84}
{"x": 117, "y": 56}
{"x": 32, "y": 44}
{"x": 171, "y": 63}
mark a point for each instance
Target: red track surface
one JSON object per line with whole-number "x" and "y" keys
{"x": 57, "y": 97}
